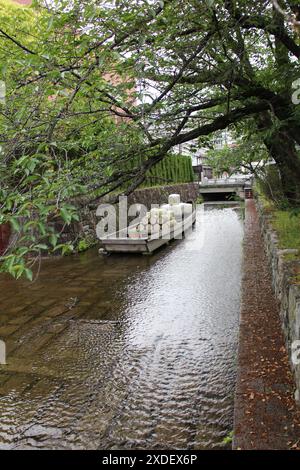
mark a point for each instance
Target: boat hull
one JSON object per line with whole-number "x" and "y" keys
{"x": 114, "y": 243}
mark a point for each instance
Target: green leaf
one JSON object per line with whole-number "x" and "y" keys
{"x": 41, "y": 246}
{"x": 53, "y": 239}
{"x": 66, "y": 216}
{"x": 29, "y": 274}
{"x": 15, "y": 224}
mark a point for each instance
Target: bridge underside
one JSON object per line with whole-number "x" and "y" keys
{"x": 219, "y": 196}
{"x": 222, "y": 193}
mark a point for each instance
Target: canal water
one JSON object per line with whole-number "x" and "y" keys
{"x": 126, "y": 352}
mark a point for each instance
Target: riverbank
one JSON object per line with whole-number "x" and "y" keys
{"x": 266, "y": 415}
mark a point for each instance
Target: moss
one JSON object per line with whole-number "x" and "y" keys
{"x": 267, "y": 204}
{"x": 228, "y": 439}
{"x": 85, "y": 244}
{"x": 296, "y": 279}
{"x": 291, "y": 257}
{"x": 200, "y": 200}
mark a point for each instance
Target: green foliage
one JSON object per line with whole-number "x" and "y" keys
{"x": 172, "y": 169}
{"x": 58, "y": 136}
{"x": 286, "y": 223}
{"x": 85, "y": 244}
{"x": 248, "y": 156}
{"x": 287, "y": 226}
{"x": 270, "y": 187}
{"x": 228, "y": 439}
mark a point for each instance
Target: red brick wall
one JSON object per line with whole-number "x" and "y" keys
{"x": 23, "y": 2}
{"x": 4, "y": 237}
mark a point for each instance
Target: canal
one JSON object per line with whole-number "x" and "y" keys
{"x": 126, "y": 352}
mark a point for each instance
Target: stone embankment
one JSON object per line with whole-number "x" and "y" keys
{"x": 266, "y": 413}
{"x": 285, "y": 275}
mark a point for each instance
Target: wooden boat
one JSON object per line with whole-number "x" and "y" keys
{"x": 115, "y": 242}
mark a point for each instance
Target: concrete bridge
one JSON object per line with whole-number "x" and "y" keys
{"x": 226, "y": 188}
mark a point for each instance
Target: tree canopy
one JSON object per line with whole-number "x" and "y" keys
{"x": 91, "y": 85}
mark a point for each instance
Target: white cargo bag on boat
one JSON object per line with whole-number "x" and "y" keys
{"x": 187, "y": 209}
{"x": 179, "y": 211}
{"x": 174, "y": 199}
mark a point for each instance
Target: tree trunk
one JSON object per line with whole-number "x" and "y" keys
{"x": 282, "y": 149}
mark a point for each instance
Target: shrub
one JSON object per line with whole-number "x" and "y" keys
{"x": 173, "y": 169}
{"x": 270, "y": 186}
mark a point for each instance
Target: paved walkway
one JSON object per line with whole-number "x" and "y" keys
{"x": 266, "y": 416}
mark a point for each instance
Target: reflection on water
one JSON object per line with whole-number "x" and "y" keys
{"x": 142, "y": 356}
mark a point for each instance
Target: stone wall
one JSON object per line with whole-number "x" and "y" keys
{"x": 189, "y": 192}
{"x": 286, "y": 285}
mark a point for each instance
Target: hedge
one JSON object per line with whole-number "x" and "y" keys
{"x": 172, "y": 169}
